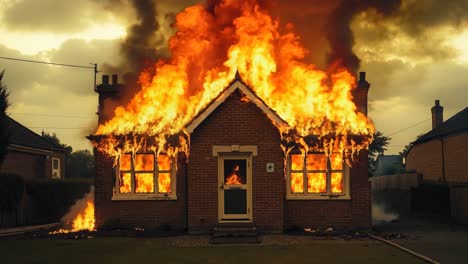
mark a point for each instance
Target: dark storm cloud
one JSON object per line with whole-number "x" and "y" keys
{"x": 20, "y": 76}
{"x": 422, "y": 83}
{"x": 407, "y": 54}
{"x": 81, "y": 52}
{"x": 52, "y": 15}
{"x": 417, "y": 16}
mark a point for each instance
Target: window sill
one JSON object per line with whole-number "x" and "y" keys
{"x": 318, "y": 197}
{"x": 143, "y": 197}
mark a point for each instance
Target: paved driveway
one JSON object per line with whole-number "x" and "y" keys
{"x": 435, "y": 238}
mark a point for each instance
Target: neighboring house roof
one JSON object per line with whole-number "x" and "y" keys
{"x": 24, "y": 137}
{"x": 389, "y": 159}
{"x": 456, "y": 124}
{"x": 384, "y": 162}
{"x": 237, "y": 84}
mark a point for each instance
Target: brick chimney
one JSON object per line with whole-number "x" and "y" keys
{"x": 360, "y": 93}
{"x": 437, "y": 114}
{"x": 107, "y": 91}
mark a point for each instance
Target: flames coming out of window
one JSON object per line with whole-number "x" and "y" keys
{"x": 143, "y": 173}
{"x": 318, "y": 171}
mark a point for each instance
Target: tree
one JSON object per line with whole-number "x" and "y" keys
{"x": 376, "y": 148}
{"x": 4, "y": 131}
{"x": 80, "y": 164}
{"x": 408, "y": 146}
{"x": 53, "y": 139}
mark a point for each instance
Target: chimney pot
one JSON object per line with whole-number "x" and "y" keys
{"x": 362, "y": 76}
{"x": 114, "y": 79}
{"x": 105, "y": 79}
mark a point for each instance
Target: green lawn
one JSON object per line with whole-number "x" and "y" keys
{"x": 144, "y": 250}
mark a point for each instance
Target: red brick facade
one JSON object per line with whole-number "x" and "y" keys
{"x": 234, "y": 122}
{"x": 353, "y": 213}
{"x": 150, "y": 213}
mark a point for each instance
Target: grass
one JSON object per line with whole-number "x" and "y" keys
{"x": 144, "y": 250}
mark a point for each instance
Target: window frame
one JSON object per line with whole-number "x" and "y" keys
{"x": 58, "y": 170}
{"x": 117, "y": 195}
{"x": 328, "y": 195}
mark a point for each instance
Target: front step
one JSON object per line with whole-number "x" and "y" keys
{"x": 237, "y": 233}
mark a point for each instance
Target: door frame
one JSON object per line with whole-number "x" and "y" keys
{"x": 222, "y": 218}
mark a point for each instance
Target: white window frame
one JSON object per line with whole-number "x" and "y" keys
{"x": 146, "y": 196}
{"x": 345, "y": 195}
{"x": 58, "y": 171}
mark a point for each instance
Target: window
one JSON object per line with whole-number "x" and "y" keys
{"x": 141, "y": 176}
{"x": 56, "y": 168}
{"x": 316, "y": 176}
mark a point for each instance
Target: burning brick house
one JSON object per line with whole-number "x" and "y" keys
{"x": 235, "y": 127}
{"x": 235, "y": 171}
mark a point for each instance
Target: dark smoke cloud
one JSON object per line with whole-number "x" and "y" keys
{"x": 416, "y": 16}
{"x": 339, "y": 33}
{"x": 136, "y": 47}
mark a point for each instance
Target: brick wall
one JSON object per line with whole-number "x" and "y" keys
{"x": 149, "y": 213}
{"x": 456, "y": 158}
{"x": 236, "y": 123}
{"x": 426, "y": 159}
{"x": 27, "y": 165}
{"x": 353, "y": 213}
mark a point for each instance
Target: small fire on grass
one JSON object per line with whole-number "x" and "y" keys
{"x": 80, "y": 216}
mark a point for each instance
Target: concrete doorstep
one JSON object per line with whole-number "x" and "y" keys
{"x": 25, "y": 229}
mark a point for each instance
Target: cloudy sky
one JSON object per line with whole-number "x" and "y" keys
{"x": 414, "y": 55}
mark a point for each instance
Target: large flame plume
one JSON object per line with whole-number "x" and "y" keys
{"x": 209, "y": 47}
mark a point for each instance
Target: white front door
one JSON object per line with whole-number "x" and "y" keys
{"x": 235, "y": 188}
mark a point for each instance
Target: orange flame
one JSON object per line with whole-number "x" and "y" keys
{"x": 233, "y": 177}
{"x": 80, "y": 216}
{"x": 207, "y": 50}
{"x": 85, "y": 219}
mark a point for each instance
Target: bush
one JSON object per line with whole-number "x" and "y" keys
{"x": 52, "y": 198}
{"x": 11, "y": 191}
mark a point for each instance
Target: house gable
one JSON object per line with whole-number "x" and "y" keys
{"x": 250, "y": 95}
{"x": 235, "y": 127}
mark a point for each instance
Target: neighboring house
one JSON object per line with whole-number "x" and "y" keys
{"x": 31, "y": 156}
{"x": 388, "y": 164}
{"x": 440, "y": 157}
{"x": 233, "y": 139}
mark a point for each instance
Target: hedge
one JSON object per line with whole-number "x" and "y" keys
{"x": 51, "y": 199}
{"x": 11, "y": 192}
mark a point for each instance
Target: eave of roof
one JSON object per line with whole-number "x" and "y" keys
{"x": 23, "y": 136}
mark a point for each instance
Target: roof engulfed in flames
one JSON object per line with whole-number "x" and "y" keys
{"x": 207, "y": 50}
